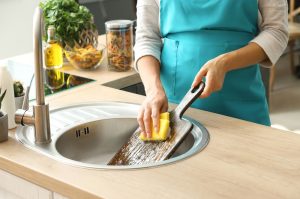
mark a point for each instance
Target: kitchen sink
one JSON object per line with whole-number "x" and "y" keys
{"x": 88, "y": 135}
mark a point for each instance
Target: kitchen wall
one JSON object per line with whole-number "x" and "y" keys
{"x": 16, "y": 26}
{"x": 16, "y": 21}
{"x": 104, "y": 10}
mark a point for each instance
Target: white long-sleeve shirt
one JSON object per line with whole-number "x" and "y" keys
{"x": 272, "y": 23}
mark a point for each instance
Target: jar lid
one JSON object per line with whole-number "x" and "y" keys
{"x": 115, "y": 24}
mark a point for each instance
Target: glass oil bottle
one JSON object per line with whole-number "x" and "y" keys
{"x": 53, "y": 59}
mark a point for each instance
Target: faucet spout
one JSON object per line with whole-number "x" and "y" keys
{"x": 38, "y": 55}
{"x": 39, "y": 118}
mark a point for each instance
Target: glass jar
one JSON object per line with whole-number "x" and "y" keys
{"x": 119, "y": 41}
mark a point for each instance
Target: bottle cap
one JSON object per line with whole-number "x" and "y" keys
{"x": 51, "y": 30}
{"x": 51, "y": 27}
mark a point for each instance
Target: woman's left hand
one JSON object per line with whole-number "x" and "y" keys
{"x": 214, "y": 71}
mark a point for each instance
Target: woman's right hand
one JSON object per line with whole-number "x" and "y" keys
{"x": 155, "y": 103}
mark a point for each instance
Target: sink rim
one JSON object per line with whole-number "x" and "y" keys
{"x": 51, "y": 151}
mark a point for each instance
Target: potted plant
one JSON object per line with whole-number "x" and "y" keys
{"x": 3, "y": 120}
{"x": 19, "y": 94}
{"x": 73, "y": 23}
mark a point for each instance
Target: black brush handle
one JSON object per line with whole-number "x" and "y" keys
{"x": 188, "y": 99}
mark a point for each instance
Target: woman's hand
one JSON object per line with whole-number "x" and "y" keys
{"x": 155, "y": 103}
{"x": 214, "y": 71}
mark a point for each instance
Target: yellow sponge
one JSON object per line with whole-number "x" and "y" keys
{"x": 165, "y": 116}
{"x": 164, "y": 123}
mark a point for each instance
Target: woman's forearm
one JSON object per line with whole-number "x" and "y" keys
{"x": 243, "y": 57}
{"x": 149, "y": 70}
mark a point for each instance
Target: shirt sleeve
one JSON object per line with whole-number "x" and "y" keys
{"x": 273, "y": 36}
{"x": 148, "y": 39}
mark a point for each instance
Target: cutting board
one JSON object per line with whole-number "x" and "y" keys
{"x": 135, "y": 151}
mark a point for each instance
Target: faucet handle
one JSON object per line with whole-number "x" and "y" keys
{"x": 25, "y": 105}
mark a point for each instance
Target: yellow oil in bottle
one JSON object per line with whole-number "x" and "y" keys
{"x": 54, "y": 78}
{"x": 53, "y": 59}
{"x": 53, "y": 55}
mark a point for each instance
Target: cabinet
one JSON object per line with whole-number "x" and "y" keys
{"x": 57, "y": 196}
{"x": 13, "y": 187}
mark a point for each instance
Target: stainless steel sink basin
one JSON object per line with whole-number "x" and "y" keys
{"x": 95, "y": 142}
{"x": 89, "y": 135}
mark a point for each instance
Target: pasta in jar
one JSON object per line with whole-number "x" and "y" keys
{"x": 119, "y": 39}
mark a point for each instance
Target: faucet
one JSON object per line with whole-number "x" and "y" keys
{"x": 39, "y": 117}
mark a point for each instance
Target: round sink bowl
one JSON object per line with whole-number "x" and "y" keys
{"x": 89, "y": 135}
{"x": 95, "y": 143}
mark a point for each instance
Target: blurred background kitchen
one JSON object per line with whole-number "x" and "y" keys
{"x": 282, "y": 82}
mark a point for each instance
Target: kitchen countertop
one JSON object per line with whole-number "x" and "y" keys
{"x": 21, "y": 67}
{"x": 242, "y": 159}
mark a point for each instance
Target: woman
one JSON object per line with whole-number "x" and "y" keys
{"x": 180, "y": 42}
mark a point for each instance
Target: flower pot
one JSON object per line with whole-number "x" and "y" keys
{"x": 3, "y": 127}
{"x": 19, "y": 102}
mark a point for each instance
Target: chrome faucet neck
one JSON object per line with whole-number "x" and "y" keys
{"x": 39, "y": 118}
{"x": 38, "y": 55}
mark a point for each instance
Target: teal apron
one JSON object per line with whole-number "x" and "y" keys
{"x": 196, "y": 31}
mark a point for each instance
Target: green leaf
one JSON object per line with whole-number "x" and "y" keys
{"x": 68, "y": 17}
